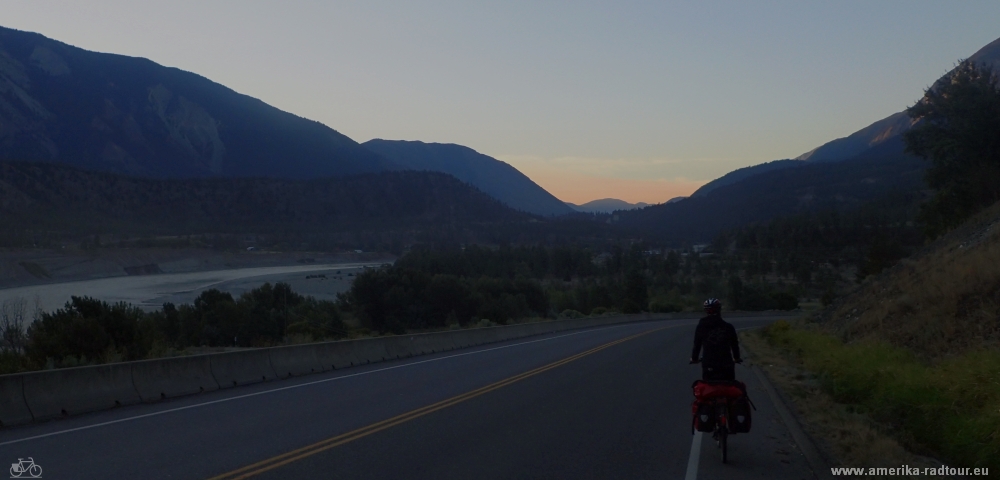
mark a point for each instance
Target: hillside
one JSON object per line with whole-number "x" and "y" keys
{"x": 46, "y": 199}
{"x": 494, "y": 177}
{"x": 937, "y": 303}
{"x": 113, "y": 113}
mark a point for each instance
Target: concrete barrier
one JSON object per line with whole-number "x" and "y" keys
{"x": 399, "y": 346}
{"x": 296, "y": 360}
{"x": 231, "y": 369}
{"x": 13, "y": 408}
{"x": 337, "y": 355}
{"x": 369, "y": 350}
{"x": 69, "y": 391}
{"x": 173, "y": 377}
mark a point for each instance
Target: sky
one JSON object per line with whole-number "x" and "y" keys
{"x": 642, "y": 101}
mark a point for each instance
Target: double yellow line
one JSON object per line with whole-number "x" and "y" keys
{"x": 323, "y": 445}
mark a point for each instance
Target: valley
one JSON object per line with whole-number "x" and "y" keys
{"x": 158, "y": 223}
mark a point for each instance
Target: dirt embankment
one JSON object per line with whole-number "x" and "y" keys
{"x": 945, "y": 300}
{"x": 36, "y": 267}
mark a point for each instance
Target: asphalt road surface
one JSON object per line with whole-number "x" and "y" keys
{"x": 609, "y": 402}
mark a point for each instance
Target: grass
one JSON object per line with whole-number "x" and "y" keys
{"x": 949, "y": 409}
{"x": 845, "y": 435}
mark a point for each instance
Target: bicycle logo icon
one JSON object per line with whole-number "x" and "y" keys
{"x": 22, "y": 467}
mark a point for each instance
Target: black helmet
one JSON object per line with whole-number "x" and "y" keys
{"x": 713, "y": 305}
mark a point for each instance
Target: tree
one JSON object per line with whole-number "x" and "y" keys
{"x": 636, "y": 297}
{"x": 958, "y": 130}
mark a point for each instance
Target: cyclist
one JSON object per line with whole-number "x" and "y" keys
{"x": 722, "y": 346}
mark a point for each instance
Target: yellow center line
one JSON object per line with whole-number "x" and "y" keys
{"x": 309, "y": 450}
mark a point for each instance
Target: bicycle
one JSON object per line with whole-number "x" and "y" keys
{"x": 718, "y": 397}
{"x": 22, "y": 467}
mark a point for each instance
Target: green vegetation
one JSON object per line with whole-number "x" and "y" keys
{"x": 433, "y": 288}
{"x": 950, "y": 408}
{"x": 88, "y": 331}
{"x": 958, "y": 121}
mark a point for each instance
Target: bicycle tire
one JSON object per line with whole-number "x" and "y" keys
{"x": 35, "y": 471}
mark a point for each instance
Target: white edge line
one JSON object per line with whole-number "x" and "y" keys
{"x": 290, "y": 387}
{"x": 694, "y": 458}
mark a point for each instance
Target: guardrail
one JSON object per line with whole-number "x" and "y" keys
{"x": 47, "y": 394}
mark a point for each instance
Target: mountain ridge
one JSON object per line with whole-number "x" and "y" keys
{"x": 494, "y": 177}
{"x": 607, "y": 205}
{"x": 130, "y": 115}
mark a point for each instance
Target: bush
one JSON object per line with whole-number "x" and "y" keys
{"x": 570, "y": 314}
{"x": 663, "y": 306}
{"x": 89, "y": 331}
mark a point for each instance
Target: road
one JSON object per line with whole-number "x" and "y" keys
{"x": 609, "y": 402}
{"x": 151, "y": 291}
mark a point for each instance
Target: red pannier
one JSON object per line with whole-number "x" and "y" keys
{"x": 702, "y": 408}
{"x": 706, "y": 390}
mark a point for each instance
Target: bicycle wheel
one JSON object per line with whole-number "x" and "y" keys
{"x": 35, "y": 471}
{"x": 724, "y": 443}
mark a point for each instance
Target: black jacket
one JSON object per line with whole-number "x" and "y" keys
{"x": 722, "y": 346}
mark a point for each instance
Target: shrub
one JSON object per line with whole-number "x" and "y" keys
{"x": 89, "y": 331}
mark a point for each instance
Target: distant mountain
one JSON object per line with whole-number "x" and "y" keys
{"x": 494, "y": 177}
{"x": 606, "y": 205}
{"x": 61, "y": 200}
{"x": 106, "y": 112}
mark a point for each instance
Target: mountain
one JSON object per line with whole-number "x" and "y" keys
{"x": 889, "y": 128}
{"x": 744, "y": 173}
{"x": 114, "y": 113}
{"x": 494, "y": 177}
{"x": 856, "y": 143}
{"x": 846, "y": 172}
{"x": 883, "y": 137}
{"x": 810, "y": 187}
{"x": 56, "y": 200}
{"x": 607, "y": 205}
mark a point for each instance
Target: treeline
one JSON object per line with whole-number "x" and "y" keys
{"x": 431, "y": 288}
{"x": 812, "y": 248}
{"x": 88, "y": 331}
